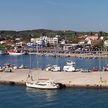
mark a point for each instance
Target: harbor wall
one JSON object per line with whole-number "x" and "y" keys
{"x": 75, "y": 55}
{"x": 66, "y": 79}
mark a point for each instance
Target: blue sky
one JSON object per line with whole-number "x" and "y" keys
{"x": 78, "y": 15}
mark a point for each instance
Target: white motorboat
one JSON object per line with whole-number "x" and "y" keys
{"x": 48, "y": 68}
{"x": 42, "y": 85}
{"x": 55, "y": 68}
{"x": 22, "y": 67}
{"x": 69, "y": 67}
{"x": 69, "y": 62}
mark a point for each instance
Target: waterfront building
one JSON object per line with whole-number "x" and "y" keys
{"x": 45, "y": 40}
{"x": 92, "y": 37}
{"x": 106, "y": 43}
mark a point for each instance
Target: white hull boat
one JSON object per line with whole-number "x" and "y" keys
{"x": 55, "y": 68}
{"x": 15, "y": 53}
{"x": 48, "y": 68}
{"x": 70, "y": 63}
{"x": 42, "y": 85}
{"x": 69, "y": 67}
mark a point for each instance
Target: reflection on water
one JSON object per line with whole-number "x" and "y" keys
{"x": 21, "y": 97}
{"x": 50, "y": 95}
{"x": 43, "y": 61}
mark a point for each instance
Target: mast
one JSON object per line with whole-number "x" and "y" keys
{"x": 37, "y": 57}
{"x": 100, "y": 66}
{"x": 37, "y": 61}
{"x": 29, "y": 73}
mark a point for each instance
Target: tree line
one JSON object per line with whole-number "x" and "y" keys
{"x": 28, "y": 34}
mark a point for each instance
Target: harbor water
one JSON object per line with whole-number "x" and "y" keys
{"x": 43, "y": 61}
{"x": 23, "y": 97}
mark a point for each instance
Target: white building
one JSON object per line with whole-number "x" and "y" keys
{"x": 29, "y": 44}
{"x": 106, "y": 43}
{"x": 53, "y": 41}
{"x": 63, "y": 42}
{"x": 44, "y": 39}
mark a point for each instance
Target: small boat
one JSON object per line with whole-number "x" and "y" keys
{"x": 69, "y": 67}
{"x": 47, "y": 84}
{"x": 42, "y": 85}
{"x": 16, "y": 52}
{"x": 48, "y": 68}
{"x": 55, "y": 68}
{"x": 69, "y": 62}
{"x": 7, "y": 70}
{"x": 22, "y": 67}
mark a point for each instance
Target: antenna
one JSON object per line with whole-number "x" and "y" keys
{"x": 37, "y": 57}
{"x": 30, "y": 65}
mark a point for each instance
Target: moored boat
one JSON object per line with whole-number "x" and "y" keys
{"x": 42, "y": 85}
{"x": 69, "y": 67}
{"x": 47, "y": 84}
{"x": 55, "y": 68}
{"x": 16, "y": 52}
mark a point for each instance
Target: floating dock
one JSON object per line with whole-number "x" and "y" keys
{"x": 68, "y": 79}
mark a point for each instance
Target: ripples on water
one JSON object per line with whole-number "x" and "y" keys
{"x": 43, "y": 61}
{"x": 21, "y": 97}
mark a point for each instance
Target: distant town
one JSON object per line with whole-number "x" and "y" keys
{"x": 49, "y": 40}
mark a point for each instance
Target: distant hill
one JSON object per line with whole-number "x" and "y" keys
{"x": 27, "y": 34}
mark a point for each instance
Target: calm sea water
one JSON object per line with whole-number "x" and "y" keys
{"x": 43, "y": 61}
{"x": 22, "y": 97}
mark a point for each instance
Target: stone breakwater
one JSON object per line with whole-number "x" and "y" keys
{"x": 80, "y": 55}
{"x": 68, "y": 79}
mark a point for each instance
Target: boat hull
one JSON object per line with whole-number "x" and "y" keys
{"x": 34, "y": 85}
{"x": 15, "y": 53}
{"x": 69, "y": 68}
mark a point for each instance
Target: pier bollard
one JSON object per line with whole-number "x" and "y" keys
{"x": 100, "y": 81}
{"x": 104, "y": 81}
{"x": 69, "y": 81}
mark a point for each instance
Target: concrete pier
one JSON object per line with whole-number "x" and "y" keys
{"x": 69, "y": 79}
